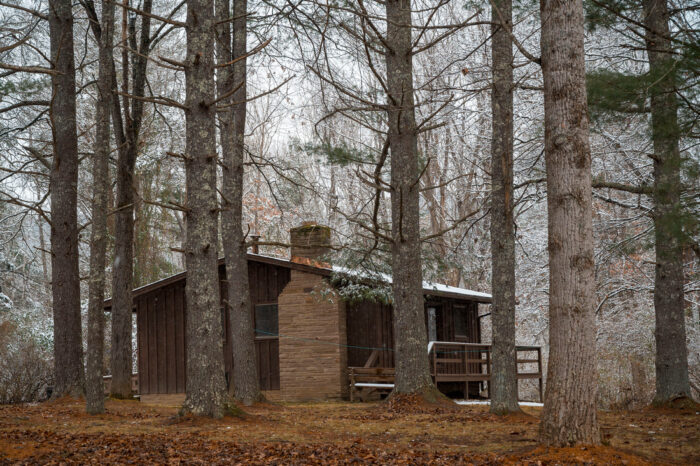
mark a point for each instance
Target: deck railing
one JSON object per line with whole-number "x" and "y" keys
{"x": 471, "y": 362}
{"x": 451, "y": 362}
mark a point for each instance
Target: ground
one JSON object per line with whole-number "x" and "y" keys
{"x": 59, "y": 432}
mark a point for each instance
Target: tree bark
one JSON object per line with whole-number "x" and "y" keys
{"x": 671, "y": 350}
{"x": 244, "y": 385}
{"x": 98, "y": 238}
{"x": 205, "y": 365}
{"x": 569, "y": 416}
{"x": 412, "y": 368}
{"x": 122, "y": 281}
{"x": 63, "y": 184}
{"x": 503, "y": 386}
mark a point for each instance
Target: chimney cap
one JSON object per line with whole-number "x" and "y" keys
{"x": 310, "y": 243}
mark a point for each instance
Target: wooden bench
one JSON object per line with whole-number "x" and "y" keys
{"x": 367, "y": 380}
{"x": 134, "y": 383}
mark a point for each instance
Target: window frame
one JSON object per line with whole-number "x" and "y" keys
{"x": 255, "y": 321}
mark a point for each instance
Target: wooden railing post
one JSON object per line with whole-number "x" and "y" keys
{"x": 352, "y": 385}
{"x": 488, "y": 361}
{"x": 539, "y": 370}
{"x": 434, "y": 355}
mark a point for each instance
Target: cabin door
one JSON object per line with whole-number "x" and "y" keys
{"x": 466, "y": 324}
{"x": 267, "y": 346}
{"x": 437, "y": 323}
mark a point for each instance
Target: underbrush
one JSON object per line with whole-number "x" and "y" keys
{"x": 25, "y": 367}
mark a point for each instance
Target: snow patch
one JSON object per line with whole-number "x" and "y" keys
{"x": 427, "y": 286}
{"x": 488, "y": 402}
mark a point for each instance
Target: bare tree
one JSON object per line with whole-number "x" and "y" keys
{"x": 63, "y": 185}
{"x": 245, "y": 385}
{"x": 98, "y": 238}
{"x": 503, "y": 386}
{"x": 122, "y": 282}
{"x": 412, "y": 370}
{"x": 569, "y": 415}
{"x": 205, "y": 365}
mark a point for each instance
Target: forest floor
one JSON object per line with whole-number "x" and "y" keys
{"x": 59, "y": 432}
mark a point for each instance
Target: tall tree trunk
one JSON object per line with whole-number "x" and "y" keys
{"x": 245, "y": 385}
{"x": 671, "y": 350}
{"x": 63, "y": 184}
{"x": 98, "y": 238}
{"x": 412, "y": 368}
{"x": 206, "y": 388}
{"x": 122, "y": 281}
{"x": 504, "y": 384}
{"x": 569, "y": 416}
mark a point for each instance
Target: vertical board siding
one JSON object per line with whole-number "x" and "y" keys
{"x": 152, "y": 347}
{"x": 369, "y": 325}
{"x": 161, "y": 331}
{"x": 142, "y": 341}
{"x": 171, "y": 364}
{"x": 267, "y": 351}
{"x": 180, "y": 337}
{"x": 266, "y": 283}
{"x": 160, "y": 326}
{"x": 274, "y": 365}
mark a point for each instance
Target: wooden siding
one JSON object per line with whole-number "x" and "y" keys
{"x": 161, "y": 337}
{"x": 268, "y": 353}
{"x": 266, "y": 283}
{"x": 161, "y": 340}
{"x": 369, "y": 325}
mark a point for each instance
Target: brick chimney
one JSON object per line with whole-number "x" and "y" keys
{"x": 310, "y": 242}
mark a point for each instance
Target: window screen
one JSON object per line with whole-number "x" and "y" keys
{"x": 266, "y": 324}
{"x": 460, "y": 316}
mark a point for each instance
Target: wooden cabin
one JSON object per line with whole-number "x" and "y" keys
{"x": 306, "y": 337}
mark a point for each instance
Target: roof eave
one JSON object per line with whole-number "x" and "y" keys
{"x": 463, "y": 295}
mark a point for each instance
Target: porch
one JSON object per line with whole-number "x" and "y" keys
{"x": 450, "y": 362}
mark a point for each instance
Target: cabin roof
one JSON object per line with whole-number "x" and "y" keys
{"x": 429, "y": 288}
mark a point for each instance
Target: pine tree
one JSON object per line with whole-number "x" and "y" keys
{"x": 244, "y": 380}
{"x": 65, "y": 279}
{"x": 655, "y": 93}
{"x": 205, "y": 390}
{"x": 504, "y": 384}
{"x": 122, "y": 282}
{"x": 94, "y": 386}
{"x": 569, "y": 416}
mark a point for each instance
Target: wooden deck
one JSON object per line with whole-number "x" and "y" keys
{"x": 449, "y": 362}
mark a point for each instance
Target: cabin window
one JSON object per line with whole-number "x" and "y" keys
{"x": 266, "y": 320}
{"x": 460, "y": 317}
